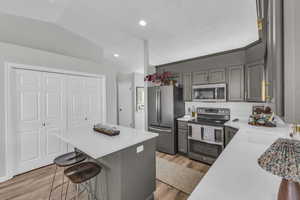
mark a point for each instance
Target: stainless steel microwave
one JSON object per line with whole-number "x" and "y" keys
{"x": 209, "y": 92}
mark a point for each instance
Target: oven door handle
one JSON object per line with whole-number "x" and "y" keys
{"x": 214, "y": 127}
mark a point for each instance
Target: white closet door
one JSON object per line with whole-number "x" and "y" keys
{"x": 93, "y": 102}
{"x": 55, "y": 115}
{"x": 29, "y": 119}
{"x": 76, "y": 110}
{"x": 49, "y": 104}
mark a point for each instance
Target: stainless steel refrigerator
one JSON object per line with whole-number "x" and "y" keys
{"x": 165, "y": 104}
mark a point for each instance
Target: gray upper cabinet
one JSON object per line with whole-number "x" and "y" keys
{"x": 209, "y": 76}
{"x": 177, "y": 77}
{"x": 200, "y": 77}
{"x": 236, "y": 83}
{"x": 255, "y": 74}
{"x": 217, "y": 76}
{"x": 187, "y": 86}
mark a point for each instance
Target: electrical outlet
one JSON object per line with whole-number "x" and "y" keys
{"x": 139, "y": 149}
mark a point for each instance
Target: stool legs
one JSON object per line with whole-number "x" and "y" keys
{"x": 53, "y": 181}
{"x": 77, "y": 191}
{"x": 87, "y": 187}
{"x": 62, "y": 187}
{"x": 67, "y": 190}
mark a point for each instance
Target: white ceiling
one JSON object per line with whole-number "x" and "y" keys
{"x": 176, "y": 30}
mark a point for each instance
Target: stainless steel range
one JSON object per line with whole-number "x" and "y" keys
{"x": 206, "y": 134}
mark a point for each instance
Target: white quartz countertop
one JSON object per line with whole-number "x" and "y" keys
{"x": 236, "y": 175}
{"x": 98, "y": 145}
{"x": 185, "y": 118}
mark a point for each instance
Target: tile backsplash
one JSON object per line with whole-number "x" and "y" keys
{"x": 237, "y": 109}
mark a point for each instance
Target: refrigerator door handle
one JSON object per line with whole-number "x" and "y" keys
{"x": 160, "y": 130}
{"x": 159, "y": 105}
{"x": 156, "y": 106}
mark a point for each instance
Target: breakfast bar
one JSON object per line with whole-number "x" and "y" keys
{"x": 127, "y": 161}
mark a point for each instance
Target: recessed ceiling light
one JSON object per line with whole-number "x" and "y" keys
{"x": 142, "y": 23}
{"x": 116, "y": 55}
{"x": 51, "y": 1}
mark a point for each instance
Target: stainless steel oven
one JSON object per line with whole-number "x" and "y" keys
{"x": 209, "y": 92}
{"x": 208, "y": 134}
{"x": 206, "y": 137}
{"x": 205, "y": 143}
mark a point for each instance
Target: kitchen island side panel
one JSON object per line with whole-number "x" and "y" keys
{"x": 139, "y": 171}
{"x": 128, "y": 174}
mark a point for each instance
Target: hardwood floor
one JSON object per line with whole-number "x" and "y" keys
{"x": 35, "y": 185}
{"x": 166, "y": 192}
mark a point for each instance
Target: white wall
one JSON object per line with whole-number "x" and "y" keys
{"x": 139, "y": 121}
{"x": 237, "y": 109}
{"x": 24, "y": 55}
{"x": 292, "y": 60}
{"x": 47, "y": 36}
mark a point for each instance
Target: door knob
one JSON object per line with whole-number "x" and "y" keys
{"x": 43, "y": 124}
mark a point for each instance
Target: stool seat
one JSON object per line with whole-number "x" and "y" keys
{"x": 82, "y": 172}
{"x": 69, "y": 159}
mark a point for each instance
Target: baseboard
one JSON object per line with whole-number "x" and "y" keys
{"x": 5, "y": 178}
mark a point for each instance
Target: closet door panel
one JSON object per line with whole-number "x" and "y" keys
{"x": 92, "y": 101}
{"x": 55, "y": 115}
{"x": 76, "y": 104}
{"x": 54, "y": 146}
{"x": 29, "y": 118}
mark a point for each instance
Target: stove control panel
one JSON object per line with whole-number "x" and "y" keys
{"x": 213, "y": 111}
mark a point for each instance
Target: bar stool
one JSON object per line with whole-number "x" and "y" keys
{"x": 66, "y": 160}
{"x": 81, "y": 174}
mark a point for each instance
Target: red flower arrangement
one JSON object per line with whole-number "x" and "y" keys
{"x": 163, "y": 78}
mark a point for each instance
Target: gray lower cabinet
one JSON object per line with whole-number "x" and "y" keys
{"x": 229, "y": 134}
{"x": 187, "y": 86}
{"x": 201, "y": 77}
{"x": 236, "y": 83}
{"x": 182, "y": 137}
{"x": 119, "y": 180}
{"x": 255, "y": 74}
{"x": 217, "y": 76}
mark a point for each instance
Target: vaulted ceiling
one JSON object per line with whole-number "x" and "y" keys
{"x": 176, "y": 29}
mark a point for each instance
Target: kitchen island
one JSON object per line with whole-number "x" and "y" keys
{"x": 127, "y": 161}
{"x": 235, "y": 175}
